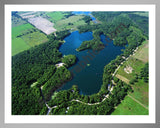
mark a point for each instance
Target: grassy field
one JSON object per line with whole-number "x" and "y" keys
{"x": 27, "y": 39}
{"x": 130, "y": 107}
{"x": 140, "y": 94}
{"x": 20, "y": 29}
{"x": 69, "y": 23}
{"x": 142, "y": 53}
{"x": 34, "y": 38}
{"x": 135, "y": 64}
{"x": 55, "y": 16}
{"x": 136, "y": 61}
{"x": 18, "y": 45}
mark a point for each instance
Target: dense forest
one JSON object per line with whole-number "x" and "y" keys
{"x": 117, "y": 26}
{"x": 37, "y": 66}
{"x": 35, "y": 78}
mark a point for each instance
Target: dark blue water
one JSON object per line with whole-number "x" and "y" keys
{"x": 89, "y": 76}
{"x": 85, "y": 13}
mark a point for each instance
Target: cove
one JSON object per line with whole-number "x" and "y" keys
{"x": 88, "y": 79}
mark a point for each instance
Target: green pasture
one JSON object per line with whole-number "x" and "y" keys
{"x": 34, "y": 38}
{"x": 143, "y": 52}
{"x": 129, "y": 107}
{"x": 20, "y": 29}
{"x": 29, "y": 39}
{"x": 69, "y": 23}
{"x": 141, "y": 92}
{"x": 18, "y": 45}
{"x": 55, "y": 16}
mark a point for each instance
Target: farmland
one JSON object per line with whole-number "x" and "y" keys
{"x": 135, "y": 103}
{"x": 70, "y": 23}
{"x": 130, "y": 107}
{"x": 142, "y": 53}
{"x": 18, "y": 45}
{"x": 25, "y": 36}
{"x": 64, "y": 20}
{"x": 55, "y": 16}
{"x": 42, "y": 24}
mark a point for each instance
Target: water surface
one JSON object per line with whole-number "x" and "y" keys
{"x": 85, "y": 13}
{"x": 88, "y": 77}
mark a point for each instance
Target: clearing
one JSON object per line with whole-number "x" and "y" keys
{"x": 42, "y": 24}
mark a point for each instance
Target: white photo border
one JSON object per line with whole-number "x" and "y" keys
{"x": 79, "y": 119}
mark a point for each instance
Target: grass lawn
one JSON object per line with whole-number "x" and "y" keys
{"x": 130, "y": 107}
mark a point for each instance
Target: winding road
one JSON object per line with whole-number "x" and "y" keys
{"x": 75, "y": 100}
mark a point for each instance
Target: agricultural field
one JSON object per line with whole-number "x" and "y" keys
{"x": 142, "y": 53}
{"x": 135, "y": 103}
{"x": 34, "y": 38}
{"x": 42, "y": 24}
{"x": 18, "y": 45}
{"x": 25, "y": 36}
{"x": 129, "y": 106}
{"x": 16, "y": 21}
{"x": 70, "y": 23}
{"x": 20, "y": 29}
{"x": 135, "y": 64}
{"x": 64, "y": 20}
{"x": 55, "y": 16}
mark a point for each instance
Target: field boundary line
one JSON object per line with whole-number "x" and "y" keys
{"x": 138, "y": 102}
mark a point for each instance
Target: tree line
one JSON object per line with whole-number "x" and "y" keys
{"x": 37, "y": 65}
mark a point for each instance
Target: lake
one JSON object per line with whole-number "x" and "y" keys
{"x": 87, "y": 73}
{"x": 85, "y": 13}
